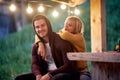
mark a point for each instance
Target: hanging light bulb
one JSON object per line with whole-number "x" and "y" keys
{"x": 63, "y": 6}
{"x": 76, "y": 11}
{"x": 12, "y": 7}
{"x": 55, "y": 13}
{"x": 41, "y": 8}
{"x": 29, "y": 9}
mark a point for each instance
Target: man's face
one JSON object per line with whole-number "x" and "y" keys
{"x": 41, "y": 28}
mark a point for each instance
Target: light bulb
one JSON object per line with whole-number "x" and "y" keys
{"x": 55, "y": 13}
{"x": 12, "y": 7}
{"x": 76, "y": 11}
{"x": 63, "y": 6}
{"x": 29, "y": 10}
{"x": 41, "y": 9}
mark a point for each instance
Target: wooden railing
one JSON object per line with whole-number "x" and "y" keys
{"x": 105, "y": 65}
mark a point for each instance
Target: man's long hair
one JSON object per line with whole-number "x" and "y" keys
{"x": 38, "y": 17}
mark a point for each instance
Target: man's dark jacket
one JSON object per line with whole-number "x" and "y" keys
{"x": 59, "y": 49}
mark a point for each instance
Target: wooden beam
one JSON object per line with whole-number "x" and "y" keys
{"x": 97, "y": 57}
{"x": 98, "y": 25}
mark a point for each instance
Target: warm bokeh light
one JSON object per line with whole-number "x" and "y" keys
{"x": 63, "y": 6}
{"x": 12, "y": 7}
{"x": 55, "y": 13}
{"x": 29, "y": 10}
{"x": 71, "y": 12}
{"x": 76, "y": 11}
{"x": 41, "y": 8}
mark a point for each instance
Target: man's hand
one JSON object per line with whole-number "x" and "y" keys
{"x": 46, "y": 77}
{"x": 38, "y": 77}
{"x": 41, "y": 50}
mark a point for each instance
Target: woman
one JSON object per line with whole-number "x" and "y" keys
{"x": 72, "y": 32}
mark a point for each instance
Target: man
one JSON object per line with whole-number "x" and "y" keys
{"x": 55, "y": 65}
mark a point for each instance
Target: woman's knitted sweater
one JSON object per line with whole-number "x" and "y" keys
{"x": 78, "y": 42}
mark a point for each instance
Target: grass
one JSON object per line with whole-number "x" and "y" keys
{"x": 15, "y": 51}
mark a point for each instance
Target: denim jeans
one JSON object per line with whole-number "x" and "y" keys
{"x": 63, "y": 76}
{"x": 28, "y": 76}
{"x": 84, "y": 74}
{"x": 60, "y": 76}
{"x": 85, "y": 77}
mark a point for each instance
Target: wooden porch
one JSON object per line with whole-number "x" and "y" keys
{"x": 105, "y": 65}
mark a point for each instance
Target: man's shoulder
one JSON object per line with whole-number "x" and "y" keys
{"x": 61, "y": 41}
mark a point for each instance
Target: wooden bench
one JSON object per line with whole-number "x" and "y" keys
{"x": 105, "y": 65}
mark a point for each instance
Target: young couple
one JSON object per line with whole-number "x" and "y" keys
{"x": 49, "y": 52}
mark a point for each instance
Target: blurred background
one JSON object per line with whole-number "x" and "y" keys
{"x": 17, "y": 35}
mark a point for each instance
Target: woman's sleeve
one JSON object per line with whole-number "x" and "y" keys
{"x": 67, "y": 36}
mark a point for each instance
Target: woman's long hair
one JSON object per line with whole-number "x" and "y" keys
{"x": 76, "y": 23}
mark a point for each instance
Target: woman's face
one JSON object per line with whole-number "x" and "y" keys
{"x": 68, "y": 26}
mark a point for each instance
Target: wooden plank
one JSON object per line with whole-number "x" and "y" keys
{"x": 98, "y": 57}
{"x": 105, "y": 71}
{"x": 99, "y": 71}
{"x": 98, "y": 25}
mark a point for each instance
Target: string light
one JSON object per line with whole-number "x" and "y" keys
{"x": 41, "y": 8}
{"x": 29, "y": 9}
{"x": 76, "y": 11}
{"x": 55, "y": 13}
{"x": 63, "y": 6}
{"x": 12, "y": 7}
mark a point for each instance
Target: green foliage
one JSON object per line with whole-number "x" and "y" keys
{"x": 112, "y": 23}
{"x": 15, "y": 51}
{"x": 85, "y": 17}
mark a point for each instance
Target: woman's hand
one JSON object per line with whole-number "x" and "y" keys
{"x": 41, "y": 50}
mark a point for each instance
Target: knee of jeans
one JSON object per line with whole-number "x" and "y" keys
{"x": 61, "y": 76}
{"x": 85, "y": 77}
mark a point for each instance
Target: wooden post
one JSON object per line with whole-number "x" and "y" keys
{"x": 98, "y": 25}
